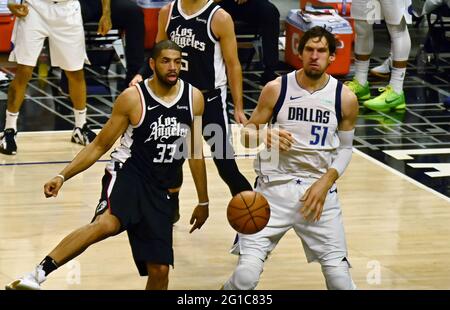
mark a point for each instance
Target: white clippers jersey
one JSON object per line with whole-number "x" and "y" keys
{"x": 312, "y": 119}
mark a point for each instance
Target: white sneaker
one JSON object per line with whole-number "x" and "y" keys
{"x": 83, "y": 135}
{"x": 30, "y": 281}
{"x": 383, "y": 70}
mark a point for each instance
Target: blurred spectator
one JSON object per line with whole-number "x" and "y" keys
{"x": 264, "y": 15}
{"x": 396, "y": 16}
{"x": 418, "y": 8}
{"x": 424, "y": 7}
{"x": 126, "y": 15}
{"x": 61, "y": 23}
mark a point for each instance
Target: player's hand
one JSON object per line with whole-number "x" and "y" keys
{"x": 239, "y": 117}
{"x": 51, "y": 188}
{"x": 199, "y": 217}
{"x": 279, "y": 138}
{"x": 240, "y": 1}
{"x": 313, "y": 201}
{"x": 137, "y": 79}
{"x": 104, "y": 24}
{"x": 18, "y": 10}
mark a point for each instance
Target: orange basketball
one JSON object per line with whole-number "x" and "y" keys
{"x": 248, "y": 212}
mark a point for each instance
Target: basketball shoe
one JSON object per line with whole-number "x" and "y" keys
{"x": 384, "y": 70}
{"x": 83, "y": 135}
{"x": 362, "y": 92}
{"x": 387, "y": 100}
{"x": 8, "y": 144}
{"x": 4, "y": 79}
{"x": 30, "y": 281}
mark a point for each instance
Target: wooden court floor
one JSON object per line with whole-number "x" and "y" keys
{"x": 397, "y": 232}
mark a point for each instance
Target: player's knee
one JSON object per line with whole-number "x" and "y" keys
{"x": 246, "y": 275}
{"x": 338, "y": 277}
{"x": 364, "y": 43}
{"x": 244, "y": 278}
{"x": 401, "y": 41}
{"x": 75, "y": 75}
{"x": 23, "y": 76}
{"x": 158, "y": 272}
{"x": 106, "y": 225}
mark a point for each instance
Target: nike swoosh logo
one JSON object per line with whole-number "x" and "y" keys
{"x": 174, "y": 17}
{"x": 293, "y": 98}
{"x": 333, "y": 191}
{"x": 391, "y": 101}
{"x": 151, "y": 108}
{"x": 211, "y": 99}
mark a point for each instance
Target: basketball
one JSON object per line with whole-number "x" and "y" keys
{"x": 248, "y": 212}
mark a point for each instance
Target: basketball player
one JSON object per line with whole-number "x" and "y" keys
{"x": 140, "y": 189}
{"x": 205, "y": 33}
{"x": 396, "y": 15}
{"x": 59, "y": 21}
{"x": 312, "y": 118}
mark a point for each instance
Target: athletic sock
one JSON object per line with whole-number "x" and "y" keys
{"x": 361, "y": 70}
{"x": 80, "y": 117}
{"x": 11, "y": 120}
{"x": 48, "y": 265}
{"x": 397, "y": 78}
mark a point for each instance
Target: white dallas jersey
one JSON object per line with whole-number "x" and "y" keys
{"x": 312, "y": 119}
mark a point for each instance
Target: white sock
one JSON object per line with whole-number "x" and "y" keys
{"x": 11, "y": 120}
{"x": 361, "y": 70}
{"x": 80, "y": 117}
{"x": 397, "y": 77}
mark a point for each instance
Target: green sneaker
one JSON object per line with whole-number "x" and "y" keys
{"x": 387, "y": 100}
{"x": 362, "y": 92}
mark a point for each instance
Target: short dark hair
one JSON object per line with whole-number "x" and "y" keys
{"x": 318, "y": 32}
{"x": 164, "y": 45}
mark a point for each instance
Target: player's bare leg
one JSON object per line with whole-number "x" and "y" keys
{"x": 74, "y": 244}
{"x": 77, "y": 91}
{"x": 104, "y": 226}
{"x": 158, "y": 276}
{"x": 16, "y": 94}
{"x": 18, "y": 86}
{"x": 77, "y": 88}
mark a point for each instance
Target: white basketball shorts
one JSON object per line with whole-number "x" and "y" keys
{"x": 323, "y": 241}
{"x": 392, "y": 11}
{"x": 61, "y": 22}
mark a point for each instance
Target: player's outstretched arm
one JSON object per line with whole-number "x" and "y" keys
{"x": 127, "y": 108}
{"x": 197, "y": 164}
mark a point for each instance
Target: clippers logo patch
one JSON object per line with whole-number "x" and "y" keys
{"x": 101, "y": 207}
